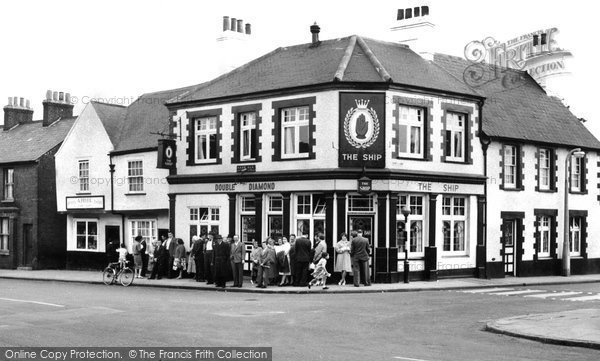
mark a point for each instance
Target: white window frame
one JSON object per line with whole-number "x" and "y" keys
{"x": 210, "y": 219}
{"x": 575, "y": 235}
{"x": 453, "y": 125}
{"x": 147, "y": 228}
{"x": 576, "y": 172}
{"x": 84, "y": 175}
{"x": 9, "y": 184}
{"x": 4, "y": 234}
{"x": 544, "y": 167}
{"x": 316, "y": 208}
{"x": 135, "y": 175}
{"x": 509, "y": 166}
{"x": 205, "y": 127}
{"x": 86, "y": 234}
{"x": 412, "y": 118}
{"x": 294, "y": 118}
{"x": 454, "y": 219}
{"x": 370, "y": 208}
{"x": 274, "y": 209}
{"x": 545, "y": 236}
{"x": 417, "y": 204}
{"x": 247, "y": 125}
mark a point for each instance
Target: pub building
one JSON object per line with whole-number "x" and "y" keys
{"x": 334, "y": 136}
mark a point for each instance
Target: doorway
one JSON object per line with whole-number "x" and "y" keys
{"x": 364, "y": 223}
{"x": 27, "y": 255}
{"x": 509, "y": 241}
{"x": 112, "y": 236}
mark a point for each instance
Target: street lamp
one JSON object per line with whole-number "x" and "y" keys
{"x": 566, "y": 258}
{"x": 406, "y": 212}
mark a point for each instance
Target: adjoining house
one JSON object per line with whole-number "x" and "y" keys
{"x": 31, "y": 231}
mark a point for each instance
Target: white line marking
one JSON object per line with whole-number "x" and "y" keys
{"x": 513, "y": 293}
{"x": 553, "y": 294}
{"x": 27, "y": 301}
{"x": 584, "y": 298}
{"x": 408, "y": 358}
{"x": 485, "y": 290}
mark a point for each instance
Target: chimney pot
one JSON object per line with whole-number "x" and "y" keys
{"x": 315, "y": 29}
{"x": 22, "y": 102}
{"x": 233, "y": 24}
{"x": 55, "y": 96}
{"x": 10, "y": 103}
{"x": 248, "y": 29}
{"x": 240, "y": 26}
{"x": 48, "y": 94}
{"x": 61, "y": 96}
{"x": 225, "y": 23}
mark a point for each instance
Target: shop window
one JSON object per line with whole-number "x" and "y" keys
{"x": 9, "y": 183}
{"x": 205, "y": 219}
{"x": 86, "y": 232}
{"x": 310, "y": 215}
{"x": 145, "y": 228}
{"x": 544, "y": 235}
{"x": 454, "y": 139}
{"x": 206, "y": 140}
{"x": 411, "y": 132}
{"x": 194, "y": 216}
{"x": 135, "y": 176}
{"x": 4, "y": 233}
{"x": 304, "y": 204}
{"x": 359, "y": 203}
{"x": 248, "y": 204}
{"x": 248, "y": 139}
{"x": 275, "y": 204}
{"x": 84, "y": 175}
{"x": 575, "y": 235}
{"x": 454, "y": 225}
{"x": 415, "y": 225}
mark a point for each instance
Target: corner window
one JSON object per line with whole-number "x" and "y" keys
{"x": 295, "y": 132}
{"x": 455, "y": 137}
{"x": 135, "y": 176}
{"x": 510, "y": 170}
{"x": 454, "y": 221}
{"x": 206, "y": 140}
{"x": 248, "y": 141}
{"x": 86, "y": 233}
{"x": 575, "y": 236}
{"x": 4, "y": 233}
{"x": 411, "y": 132}
{"x": 84, "y": 175}
{"x": 414, "y": 233}
{"x": 544, "y": 234}
{"x": 544, "y": 166}
{"x": 9, "y": 183}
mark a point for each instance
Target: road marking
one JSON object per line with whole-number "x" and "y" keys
{"x": 408, "y": 358}
{"x": 584, "y": 298}
{"x": 553, "y": 294}
{"x": 485, "y": 290}
{"x": 512, "y": 293}
{"x": 35, "y": 302}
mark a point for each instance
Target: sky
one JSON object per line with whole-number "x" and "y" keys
{"x": 117, "y": 50}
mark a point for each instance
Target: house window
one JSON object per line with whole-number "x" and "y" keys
{"x": 4, "y": 233}
{"x": 86, "y": 234}
{"x": 411, "y": 132}
{"x": 135, "y": 175}
{"x": 9, "y": 183}
{"x": 509, "y": 159}
{"x": 545, "y": 169}
{"x": 576, "y": 174}
{"x": 544, "y": 223}
{"x": 145, "y": 228}
{"x": 414, "y": 232}
{"x": 575, "y": 236}
{"x": 84, "y": 175}
{"x": 206, "y": 140}
{"x": 248, "y": 141}
{"x": 454, "y": 224}
{"x": 455, "y": 137}
{"x": 206, "y": 219}
{"x": 295, "y": 132}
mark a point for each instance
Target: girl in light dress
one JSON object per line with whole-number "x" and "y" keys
{"x": 320, "y": 274}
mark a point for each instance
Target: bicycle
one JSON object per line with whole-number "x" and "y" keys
{"x": 114, "y": 272}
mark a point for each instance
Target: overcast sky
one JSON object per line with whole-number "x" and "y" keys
{"x": 118, "y": 50}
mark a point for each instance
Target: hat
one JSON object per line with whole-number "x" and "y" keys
{"x": 138, "y": 238}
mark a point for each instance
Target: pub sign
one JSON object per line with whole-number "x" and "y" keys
{"x": 362, "y": 130}
{"x": 166, "y": 153}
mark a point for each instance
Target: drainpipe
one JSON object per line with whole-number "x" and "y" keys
{"x": 112, "y": 197}
{"x": 485, "y": 142}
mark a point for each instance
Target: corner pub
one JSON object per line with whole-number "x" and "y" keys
{"x": 330, "y": 137}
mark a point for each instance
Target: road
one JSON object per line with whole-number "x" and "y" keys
{"x": 430, "y": 326}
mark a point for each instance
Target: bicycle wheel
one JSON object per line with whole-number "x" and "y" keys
{"x": 126, "y": 277}
{"x": 108, "y": 276}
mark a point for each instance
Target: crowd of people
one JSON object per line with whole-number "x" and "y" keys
{"x": 275, "y": 262}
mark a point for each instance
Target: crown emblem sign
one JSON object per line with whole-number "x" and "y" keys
{"x": 361, "y": 103}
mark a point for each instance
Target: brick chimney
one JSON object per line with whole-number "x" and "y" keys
{"x": 17, "y": 111}
{"x": 56, "y": 105}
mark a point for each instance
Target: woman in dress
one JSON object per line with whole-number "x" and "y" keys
{"x": 284, "y": 264}
{"x": 137, "y": 256}
{"x": 179, "y": 262}
{"x": 343, "y": 263}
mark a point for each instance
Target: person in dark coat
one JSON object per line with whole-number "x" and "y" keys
{"x": 359, "y": 251}
{"x": 302, "y": 250}
{"x": 221, "y": 261}
{"x": 197, "y": 254}
{"x": 292, "y": 257}
{"x": 208, "y": 259}
{"x": 266, "y": 262}
{"x": 171, "y": 246}
{"x": 145, "y": 257}
{"x": 161, "y": 258}
{"x": 237, "y": 261}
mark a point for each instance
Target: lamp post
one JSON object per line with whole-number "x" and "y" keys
{"x": 406, "y": 212}
{"x": 566, "y": 258}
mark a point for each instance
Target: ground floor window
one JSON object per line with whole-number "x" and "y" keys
{"x": 544, "y": 234}
{"x": 575, "y": 236}
{"x": 413, "y": 235}
{"x": 4, "y": 233}
{"x": 204, "y": 220}
{"x": 145, "y": 228}
{"x": 275, "y": 216}
{"x": 86, "y": 234}
{"x": 310, "y": 215}
{"x": 454, "y": 222}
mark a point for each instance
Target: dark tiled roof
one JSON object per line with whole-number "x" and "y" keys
{"x": 349, "y": 59}
{"x": 29, "y": 141}
{"x": 146, "y": 115}
{"x": 111, "y": 116}
{"x": 516, "y": 107}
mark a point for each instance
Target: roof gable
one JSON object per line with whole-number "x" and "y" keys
{"x": 112, "y": 117}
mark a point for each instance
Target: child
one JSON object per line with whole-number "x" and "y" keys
{"x": 320, "y": 274}
{"x": 122, "y": 251}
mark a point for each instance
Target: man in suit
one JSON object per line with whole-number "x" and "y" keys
{"x": 266, "y": 264}
{"x": 144, "y": 257}
{"x": 237, "y": 261}
{"x": 208, "y": 260}
{"x": 160, "y": 261}
{"x": 197, "y": 254}
{"x": 359, "y": 251}
{"x": 302, "y": 253}
{"x": 220, "y": 261}
{"x": 170, "y": 246}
